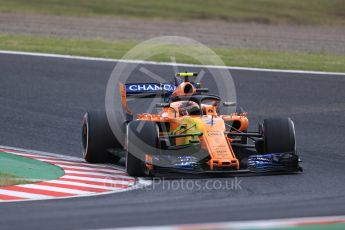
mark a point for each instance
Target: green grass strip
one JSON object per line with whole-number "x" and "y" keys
{"x": 13, "y": 167}
{"x": 231, "y": 57}
{"x": 321, "y": 12}
{"x": 6, "y": 179}
{"x": 337, "y": 226}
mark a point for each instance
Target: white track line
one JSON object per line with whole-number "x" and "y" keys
{"x": 105, "y": 181}
{"x": 81, "y": 184}
{"x": 112, "y": 177}
{"x": 90, "y": 173}
{"x": 32, "y": 155}
{"x": 90, "y": 169}
{"x": 260, "y": 224}
{"x": 166, "y": 63}
{"x": 99, "y": 166}
{"x": 62, "y": 165}
{"x": 10, "y": 149}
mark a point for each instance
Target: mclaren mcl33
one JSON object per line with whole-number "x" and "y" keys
{"x": 187, "y": 134}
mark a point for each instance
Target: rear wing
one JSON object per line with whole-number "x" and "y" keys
{"x": 149, "y": 89}
{"x": 158, "y": 89}
{"x": 143, "y": 90}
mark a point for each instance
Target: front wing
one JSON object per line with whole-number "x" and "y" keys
{"x": 274, "y": 163}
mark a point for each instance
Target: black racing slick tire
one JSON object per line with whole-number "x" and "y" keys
{"x": 142, "y": 139}
{"x": 279, "y": 135}
{"x": 97, "y": 138}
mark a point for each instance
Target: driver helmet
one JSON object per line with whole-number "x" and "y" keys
{"x": 189, "y": 108}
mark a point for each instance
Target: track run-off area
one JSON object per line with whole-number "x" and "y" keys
{"x": 43, "y": 99}
{"x": 79, "y": 179}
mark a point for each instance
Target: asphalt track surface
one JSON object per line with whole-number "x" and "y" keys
{"x": 42, "y": 101}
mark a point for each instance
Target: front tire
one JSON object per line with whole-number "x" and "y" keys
{"x": 142, "y": 139}
{"x": 279, "y": 135}
{"x": 97, "y": 138}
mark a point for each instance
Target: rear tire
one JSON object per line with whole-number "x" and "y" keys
{"x": 279, "y": 135}
{"x": 142, "y": 139}
{"x": 97, "y": 138}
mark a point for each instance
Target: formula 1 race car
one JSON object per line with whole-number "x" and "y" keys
{"x": 188, "y": 134}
